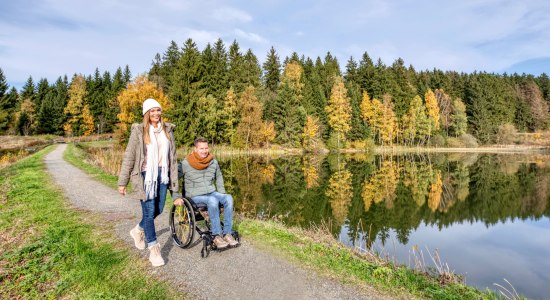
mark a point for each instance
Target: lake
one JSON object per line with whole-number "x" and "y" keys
{"x": 485, "y": 215}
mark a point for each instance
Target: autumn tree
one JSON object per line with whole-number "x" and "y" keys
{"x": 312, "y": 134}
{"x": 88, "y": 127}
{"x": 26, "y": 118}
{"x": 228, "y": 117}
{"x": 131, "y": 100}
{"x": 432, "y": 110}
{"x": 339, "y": 110}
{"x": 445, "y": 103}
{"x": 250, "y": 111}
{"x": 459, "y": 119}
{"x": 75, "y": 106}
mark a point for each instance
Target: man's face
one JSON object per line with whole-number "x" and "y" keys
{"x": 202, "y": 149}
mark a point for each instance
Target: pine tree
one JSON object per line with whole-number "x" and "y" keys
{"x": 339, "y": 110}
{"x": 207, "y": 115}
{"x": 167, "y": 66}
{"x": 28, "y": 91}
{"x": 358, "y": 129}
{"x": 185, "y": 91}
{"x": 288, "y": 112}
{"x": 272, "y": 71}
{"x": 42, "y": 89}
{"x": 252, "y": 69}
{"x": 3, "y": 85}
{"x": 7, "y": 108}
{"x": 490, "y": 102}
{"x": 236, "y": 74}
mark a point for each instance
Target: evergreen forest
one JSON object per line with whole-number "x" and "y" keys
{"x": 225, "y": 94}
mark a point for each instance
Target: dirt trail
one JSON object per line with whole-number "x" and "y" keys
{"x": 241, "y": 273}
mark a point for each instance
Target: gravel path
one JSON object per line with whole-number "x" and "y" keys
{"x": 241, "y": 273}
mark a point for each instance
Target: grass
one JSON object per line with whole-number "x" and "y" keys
{"x": 50, "y": 251}
{"x": 318, "y": 251}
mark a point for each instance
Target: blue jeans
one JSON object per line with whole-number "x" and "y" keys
{"x": 213, "y": 201}
{"x": 150, "y": 209}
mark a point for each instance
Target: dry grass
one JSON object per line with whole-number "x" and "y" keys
{"x": 14, "y": 142}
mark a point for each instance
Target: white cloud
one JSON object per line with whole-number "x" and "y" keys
{"x": 229, "y": 14}
{"x": 250, "y": 36}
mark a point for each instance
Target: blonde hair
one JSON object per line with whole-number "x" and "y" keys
{"x": 146, "y": 137}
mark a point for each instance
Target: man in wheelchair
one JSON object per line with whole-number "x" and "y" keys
{"x": 200, "y": 172}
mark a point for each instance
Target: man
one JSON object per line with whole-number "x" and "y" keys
{"x": 200, "y": 171}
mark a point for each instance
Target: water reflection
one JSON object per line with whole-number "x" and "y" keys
{"x": 371, "y": 200}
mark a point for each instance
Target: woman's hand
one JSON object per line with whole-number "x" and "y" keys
{"x": 178, "y": 202}
{"x": 122, "y": 190}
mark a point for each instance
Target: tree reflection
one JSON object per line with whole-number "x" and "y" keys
{"x": 373, "y": 196}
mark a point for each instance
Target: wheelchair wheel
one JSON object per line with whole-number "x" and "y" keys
{"x": 182, "y": 224}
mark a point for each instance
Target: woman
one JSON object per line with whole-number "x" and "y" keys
{"x": 150, "y": 163}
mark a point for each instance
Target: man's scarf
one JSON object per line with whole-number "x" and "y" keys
{"x": 197, "y": 162}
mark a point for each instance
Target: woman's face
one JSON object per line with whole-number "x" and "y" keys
{"x": 154, "y": 115}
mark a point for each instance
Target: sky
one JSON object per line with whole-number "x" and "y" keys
{"x": 52, "y": 38}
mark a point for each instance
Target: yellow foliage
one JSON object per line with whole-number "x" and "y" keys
{"x": 75, "y": 106}
{"x": 434, "y": 197}
{"x": 311, "y": 173}
{"x": 131, "y": 100}
{"x": 311, "y": 133}
{"x": 339, "y": 108}
{"x": 293, "y": 76}
{"x": 339, "y": 192}
{"x": 381, "y": 186}
{"x": 87, "y": 121}
{"x": 268, "y": 174}
{"x": 432, "y": 109}
{"x": 267, "y": 133}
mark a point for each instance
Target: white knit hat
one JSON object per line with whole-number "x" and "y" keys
{"x": 150, "y": 103}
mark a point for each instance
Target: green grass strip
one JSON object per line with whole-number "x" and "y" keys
{"x": 342, "y": 262}
{"x": 50, "y": 251}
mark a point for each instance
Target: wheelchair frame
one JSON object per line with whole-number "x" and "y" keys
{"x": 183, "y": 224}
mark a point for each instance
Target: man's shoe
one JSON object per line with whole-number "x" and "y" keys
{"x": 220, "y": 243}
{"x": 230, "y": 240}
{"x": 154, "y": 256}
{"x": 139, "y": 237}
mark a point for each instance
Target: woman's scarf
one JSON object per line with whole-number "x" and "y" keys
{"x": 197, "y": 162}
{"x": 157, "y": 157}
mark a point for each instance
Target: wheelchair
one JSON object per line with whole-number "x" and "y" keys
{"x": 189, "y": 218}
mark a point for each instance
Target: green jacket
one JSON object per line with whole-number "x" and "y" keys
{"x": 201, "y": 182}
{"x": 134, "y": 157}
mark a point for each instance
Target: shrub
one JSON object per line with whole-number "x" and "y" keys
{"x": 506, "y": 134}
{"x": 437, "y": 140}
{"x": 468, "y": 140}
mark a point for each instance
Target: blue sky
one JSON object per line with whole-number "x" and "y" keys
{"x": 51, "y": 38}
